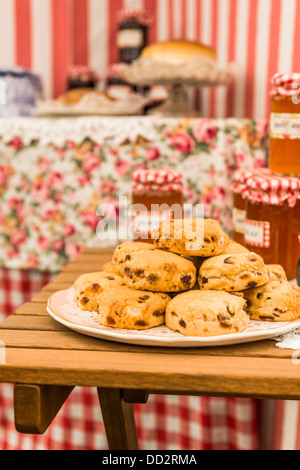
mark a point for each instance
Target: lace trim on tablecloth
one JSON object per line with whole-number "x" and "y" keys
{"x": 58, "y": 131}
{"x": 289, "y": 341}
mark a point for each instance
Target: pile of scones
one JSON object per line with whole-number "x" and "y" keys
{"x": 193, "y": 279}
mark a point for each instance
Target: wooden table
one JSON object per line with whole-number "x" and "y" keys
{"x": 46, "y": 361}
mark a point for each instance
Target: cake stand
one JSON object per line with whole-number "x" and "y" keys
{"x": 146, "y": 72}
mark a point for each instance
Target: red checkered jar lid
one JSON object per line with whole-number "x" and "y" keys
{"x": 242, "y": 175}
{"x": 156, "y": 176}
{"x": 143, "y": 17}
{"x": 272, "y": 189}
{"x": 285, "y": 84}
{"x": 157, "y": 179}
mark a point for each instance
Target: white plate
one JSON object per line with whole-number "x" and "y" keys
{"x": 62, "y": 307}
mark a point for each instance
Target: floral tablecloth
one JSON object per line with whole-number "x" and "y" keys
{"x": 54, "y": 173}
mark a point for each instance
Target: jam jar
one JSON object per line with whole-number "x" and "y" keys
{"x": 116, "y": 86}
{"x": 157, "y": 195}
{"x": 239, "y": 203}
{"x": 272, "y": 224}
{"x": 132, "y": 35}
{"x": 81, "y": 76}
{"x": 285, "y": 125}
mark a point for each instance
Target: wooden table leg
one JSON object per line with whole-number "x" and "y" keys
{"x": 135, "y": 396}
{"x": 36, "y": 406}
{"x": 118, "y": 418}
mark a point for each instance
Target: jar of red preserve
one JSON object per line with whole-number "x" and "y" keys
{"x": 157, "y": 195}
{"x": 272, "y": 225}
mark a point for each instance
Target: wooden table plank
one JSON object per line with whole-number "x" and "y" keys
{"x": 67, "y": 278}
{"x": 93, "y": 258}
{"x": 42, "y": 296}
{"x": 56, "y": 286}
{"x": 33, "y": 308}
{"x": 96, "y": 250}
{"x": 195, "y": 374}
{"x": 83, "y": 268}
{"x": 31, "y": 322}
{"x": 48, "y": 335}
{"x": 34, "y": 325}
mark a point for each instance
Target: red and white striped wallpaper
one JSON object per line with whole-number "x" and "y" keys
{"x": 259, "y": 35}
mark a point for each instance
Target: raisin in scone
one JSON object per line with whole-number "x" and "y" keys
{"x": 123, "y": 253}
{"x": 89, "y": 286}
{"x": 159, "y": 271}
{"x": 207, "y": 313}
{"x": 192, "y": 237}
{"x": 131, "y": 309}
{"x": 277, "y": 273}
{"x": 277, "y": 301}
{"x": 234, "y": 248}
{"x": 233, "y": 272}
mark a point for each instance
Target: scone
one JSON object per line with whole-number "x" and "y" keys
{"x": 207, "y": 313}
{"x": 159, "y": 271}
{"x": 108, "y": 267}
{"x": 275, "y": 302}
{"x": 192, "y": 237}
{"x": 234, "y": 248}
{"x": 131, "y": 309}
{"x": 233, "y": 272}
{"x": 88, "y": 286}
{"x": 123, "y": 252}
{"x": 277, "y": 273}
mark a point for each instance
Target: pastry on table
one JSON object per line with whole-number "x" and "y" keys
{"x": 89, "y": 286}
{"x": 159, "y": 271}
{"x": 127, "y": 308}
{"x": 235, "y": 247}
{"x": 233, "y": 272}
{"x": 277, "y": 301}
{"x": 192, "y": 237}
{"x": 277, "y": 272}
{"x": 123, "y": 253}
{"x": 207, "y": 313}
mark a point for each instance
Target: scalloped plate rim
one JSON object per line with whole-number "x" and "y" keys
{"x": 105, "y": 333}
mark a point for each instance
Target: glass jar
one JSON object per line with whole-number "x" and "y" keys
{"x": 239, "y": 187}
{"x": 116, "y": 86}
{"x": 157, "y": 195}
{"x": 285, "y": 125}
{"x": 133, "y": 34}
{"x": 81, "y": 76}
{"x": 272, "y": 224}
